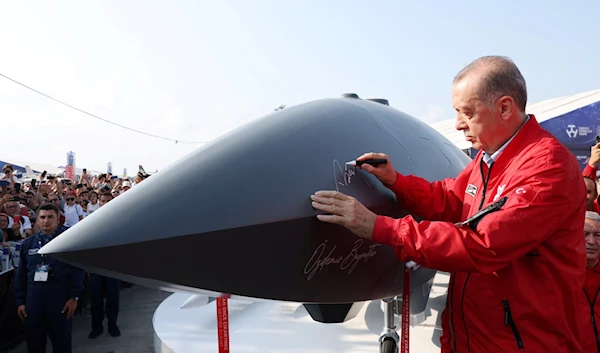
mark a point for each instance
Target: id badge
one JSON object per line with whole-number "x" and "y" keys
{"x": 41, "y": 273}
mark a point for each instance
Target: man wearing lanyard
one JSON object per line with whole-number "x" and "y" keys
{"x": 508, "y": 227}
{"x": 46, "y": 290}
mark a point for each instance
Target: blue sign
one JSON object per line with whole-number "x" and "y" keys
{"x": 577, "y": 129}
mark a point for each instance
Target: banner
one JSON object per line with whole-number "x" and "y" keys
{"x": 70, "y": 168}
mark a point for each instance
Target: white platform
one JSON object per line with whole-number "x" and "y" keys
{"x": 281, "y": 327}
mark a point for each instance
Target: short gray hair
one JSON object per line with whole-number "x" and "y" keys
{"x": 499, "y": 77}
{"x": 594, "y": 216}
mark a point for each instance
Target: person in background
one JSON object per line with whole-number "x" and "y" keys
{"x": 46, "y": 290}
{"x": 19, "y": 223}
{"x": 9, "y": 233}
{"x": 99, "y": 285}
{"x": 9, "y": 174}
{"x": 94, "y": 204}
{"x": 591, "y": 232}
{"x": 72, "y": 211}
{"x": 592, "y": 194}
{"x": 508, "y": 227}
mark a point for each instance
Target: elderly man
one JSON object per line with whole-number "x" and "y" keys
{"x": 507, "y": 227}
{"x": 18, "y": 223}
{"x": 591, "y": 232}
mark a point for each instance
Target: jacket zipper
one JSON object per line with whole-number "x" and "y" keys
{"x": 485, "y": 181}
{"x": 592, "y": 304}
{"x": 451, "y": 298}
{"x": 508, "y": 320}
{"x": 462, "y": 311}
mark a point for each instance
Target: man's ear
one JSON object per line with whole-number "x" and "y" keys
{"x": 506, "y": 106}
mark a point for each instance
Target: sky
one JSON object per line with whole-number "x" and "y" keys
{"x": 195, "y": 70}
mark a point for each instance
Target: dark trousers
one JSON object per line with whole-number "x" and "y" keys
{"x": 43, "y": 304}
{"x": 40, "y": 325}
{"x": 100, "y": 285}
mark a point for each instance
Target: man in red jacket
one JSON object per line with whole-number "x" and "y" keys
{"x": 508, "y": 227}
{"x": 592, "y": 279}
{"x": 590, "y": 170}
{"x": 592, "y": 194}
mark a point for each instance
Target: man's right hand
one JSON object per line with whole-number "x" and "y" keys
{"x": 384, "y": 172}
{"x": 21, "y": 312}
{"x": 595, "y": 156}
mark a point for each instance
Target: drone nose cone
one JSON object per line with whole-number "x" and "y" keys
{"x": 235, "y": 215}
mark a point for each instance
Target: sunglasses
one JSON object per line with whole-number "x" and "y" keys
{"x": 70, "y": 199}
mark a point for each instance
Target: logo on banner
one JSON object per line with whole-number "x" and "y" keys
{"x": 572, "y": 131}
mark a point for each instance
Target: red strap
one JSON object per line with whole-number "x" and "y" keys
{"x": 223, "y": 325}
{"x": 404, "y": 347}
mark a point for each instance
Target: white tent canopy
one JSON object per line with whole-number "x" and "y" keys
{"x": 544, "y": 110}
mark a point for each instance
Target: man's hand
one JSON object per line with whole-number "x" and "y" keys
{"x": 16, "y": 227}
{"x": 70, "y": 307}
{"x": 594, "y": 156}
{"x": 346, "y": 211}
{"x": 21, "y": 312}
{"x": 384, "y": 172}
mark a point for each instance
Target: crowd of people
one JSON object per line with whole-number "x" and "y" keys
{"x": 47, "y": 292}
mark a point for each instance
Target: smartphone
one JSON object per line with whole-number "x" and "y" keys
{"x": 17, "y": 187}
{"x": 17, "y": 219}
{"x": 50, "y": 177}
{"x": 597, "y": 139}
{"x": 84, "y": 170}
{"x": 44, "y": 173}
{"x": 33, "y": 182}
{"x": 78, "y": 186}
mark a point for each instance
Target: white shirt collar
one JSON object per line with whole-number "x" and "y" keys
{"x": 489, "y": 159}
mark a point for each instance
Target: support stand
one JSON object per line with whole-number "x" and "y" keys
{"x": 389, "y": 338}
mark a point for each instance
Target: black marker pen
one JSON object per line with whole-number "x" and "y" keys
{"x": 373, "y": 162}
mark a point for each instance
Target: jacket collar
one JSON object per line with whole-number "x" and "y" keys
{"x": 57, "y": 232}
{"x": 528, "y": 133}
{"x": 490, "y": 158}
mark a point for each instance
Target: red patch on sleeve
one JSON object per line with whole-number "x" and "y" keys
{"x": 526, "y": 193}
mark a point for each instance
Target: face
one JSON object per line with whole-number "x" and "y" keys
{"x": 3, "y": 222}
{"x": 12, "y": 208}
{"x": 54, "y": 199}
{"x": 70, "y": 200}
{"x": 478, "y": 121}
{"x": 93, "y": 198}
{"x": 592, "y": 194}
{"x": 48, "y": 220}
{"x": 104, "y": 200}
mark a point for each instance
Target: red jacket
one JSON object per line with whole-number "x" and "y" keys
{"x": 590, "y": 172}
{"x": 592, "y": 291}
{"x": 518, "y": 273}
